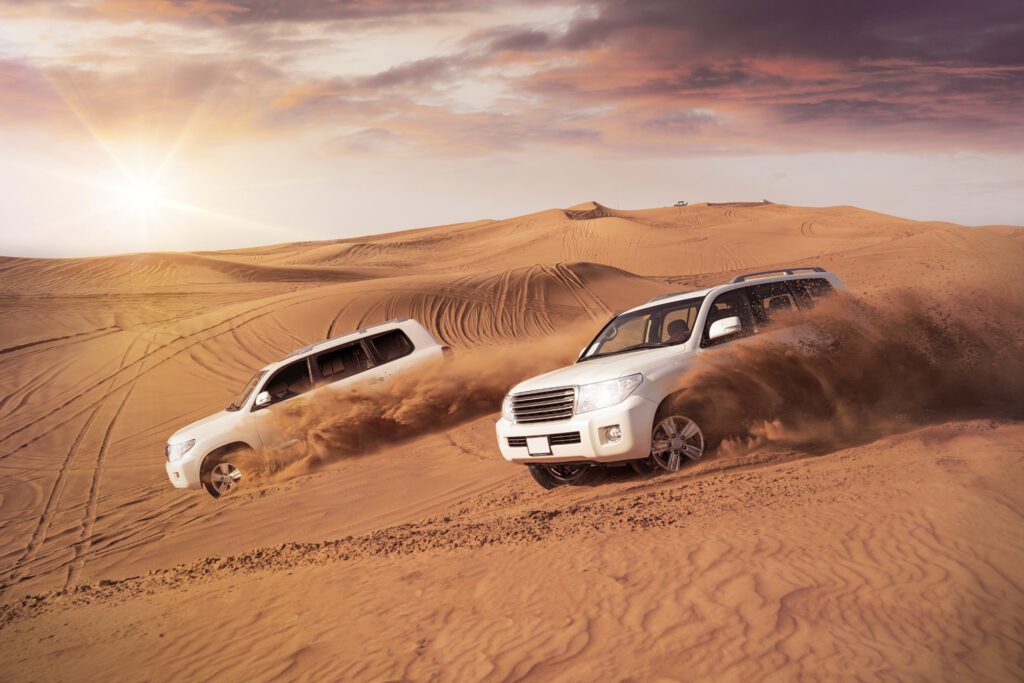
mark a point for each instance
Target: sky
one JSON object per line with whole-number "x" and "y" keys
{"x": 152, "y": 125}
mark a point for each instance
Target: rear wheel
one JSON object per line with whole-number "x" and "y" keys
{"x": 551, "y": 476}
{"x": 676, "y": 439}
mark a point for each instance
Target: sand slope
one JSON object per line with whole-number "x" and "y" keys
{"x": 893, "y": 557}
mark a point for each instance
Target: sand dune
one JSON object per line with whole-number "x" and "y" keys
{"x": 896, "y": 557}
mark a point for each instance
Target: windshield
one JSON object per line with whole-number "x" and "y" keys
{"x": 665, "y": 325}
{"x": 243, "y": 396}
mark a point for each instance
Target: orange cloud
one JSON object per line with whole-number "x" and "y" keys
{"x": 644, "y": 77}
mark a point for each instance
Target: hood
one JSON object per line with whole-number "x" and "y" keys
{"x": 601, "y": 369}
{"x": 199, "y": 428}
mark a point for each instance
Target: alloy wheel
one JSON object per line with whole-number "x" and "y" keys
{"x": 673, "y": 439}
{"x": 224, "y": 477}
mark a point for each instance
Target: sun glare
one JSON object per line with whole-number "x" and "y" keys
{"x": 141, "y": 196}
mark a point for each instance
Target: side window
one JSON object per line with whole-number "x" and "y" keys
{"x": 812, "y": 289}
{"x": 345, "y": 361}
{"x": 289, "y": 381}
{"x": 677, "y": 325}
{"x": 392, "y": 345}
{"x": 771, "y": 299}
{"x": 728, "y": 305}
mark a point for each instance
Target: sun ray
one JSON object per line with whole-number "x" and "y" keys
{"x": 77, "y": 219}
{"x": 79, "y": 114}
{"x": 144, "y": 197}
{"x": 138, "y": 189}
{"x": 290, "y": 233}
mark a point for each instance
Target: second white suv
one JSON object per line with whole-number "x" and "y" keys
{"x": 206, "y": 453}
{"x": 614, "y": 404}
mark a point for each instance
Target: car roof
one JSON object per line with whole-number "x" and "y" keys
{"x": 800, "y": 273}
{"x": 315, "y": 347}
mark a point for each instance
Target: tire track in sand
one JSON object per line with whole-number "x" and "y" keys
{"x": 42, "y": 528}
{"x": 44, "y": 520}
{"x": 189, "y": 340}
{"x": 89, "y": 522}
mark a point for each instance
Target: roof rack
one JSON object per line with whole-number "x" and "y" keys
{"x": 309, "y": 347}
{"x": 747, "y": 276}
{"x": 399, "y": 319}
{"x": 787, "y": 271}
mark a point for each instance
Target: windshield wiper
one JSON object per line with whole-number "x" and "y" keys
{"x": 637, "y": 347}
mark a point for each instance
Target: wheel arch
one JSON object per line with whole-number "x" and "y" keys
{"x": 703, "y": 412}
{"x": 673, "y": 398}
{"x": 210, "y": 459}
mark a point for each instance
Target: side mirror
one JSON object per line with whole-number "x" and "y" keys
{"x": 724, "y": 327}
{"x": 262, "y": 399}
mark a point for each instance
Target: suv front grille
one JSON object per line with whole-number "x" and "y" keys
{"x": 546, "y": 405}
{"x": 564, "y": 439}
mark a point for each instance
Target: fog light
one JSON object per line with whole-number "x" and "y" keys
{"x": 613, "y": 433}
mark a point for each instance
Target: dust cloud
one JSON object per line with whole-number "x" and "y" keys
{"x": 856, "y": 370}
{"x": 331, "y": 425}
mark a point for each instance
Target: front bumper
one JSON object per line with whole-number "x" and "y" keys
{"x": 184, "y": 473}
{"x": 634, "y": 416}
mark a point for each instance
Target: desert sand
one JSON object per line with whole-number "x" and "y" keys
{"x": 895, "y": 554}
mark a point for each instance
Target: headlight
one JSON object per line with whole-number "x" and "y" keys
{"x": 506, "y": 408}
{"x": 174, "y": 451}
{"x": 604, "y": 394}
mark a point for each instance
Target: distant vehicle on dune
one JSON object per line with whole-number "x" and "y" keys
{"x": 615, "y": 404}
{"x": 681, "y": 202}
{"x": 205, "y": 453}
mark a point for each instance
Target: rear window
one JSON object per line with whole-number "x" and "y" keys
{"x": 392, "y": 345}
{"x": 343, "y": 362}
{"x": 770, "y": 299}
{"x": 813, "y": 288}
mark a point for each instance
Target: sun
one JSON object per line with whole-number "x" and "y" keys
{"x": 141, "y": 195}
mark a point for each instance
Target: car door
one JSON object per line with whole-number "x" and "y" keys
{"x": 288, "y": 382}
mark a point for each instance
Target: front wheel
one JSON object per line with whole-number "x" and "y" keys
{"x": 551, "y": 476}
{"x": 221, "y": 479}
{"x": 644, "y": 467}
{"x": 674, "y": 439}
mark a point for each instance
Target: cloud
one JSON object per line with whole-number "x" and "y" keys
{"x": 419, "y": 72}
{"x": 639, "y": 76}
{"x": 789, "y": 73}
{"x": 368, "y": 141}
{"x": 986, "y": 31}
{"x": 235, "y": 12}
{"x": 25, "y": 95}
{"x": 161, "y": 100}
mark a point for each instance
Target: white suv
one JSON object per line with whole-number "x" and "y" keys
{"x": 613, "y": 405}
{"x": 205, "y": 453}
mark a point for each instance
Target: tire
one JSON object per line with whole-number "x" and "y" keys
{"x": 644, "y": 467}
{"x": 221, "y": 475}
{"x": 675, "y": 439}
{"x": 565, "y": 474}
